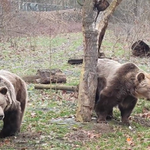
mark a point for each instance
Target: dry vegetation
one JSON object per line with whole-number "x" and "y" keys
{"x": 30, "y": 23}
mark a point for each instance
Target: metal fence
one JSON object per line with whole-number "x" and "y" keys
{"x": 49, "y": 5}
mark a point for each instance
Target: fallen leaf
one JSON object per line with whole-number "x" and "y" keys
{"x": 33, "y": 114}
{"x": 130, "y": 141}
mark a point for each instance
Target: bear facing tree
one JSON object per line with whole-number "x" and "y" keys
{"x": 119, "y": 84}
{"x": 13, "y": 99}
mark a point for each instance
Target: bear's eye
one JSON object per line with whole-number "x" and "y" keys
{"x": 3, "y": 90}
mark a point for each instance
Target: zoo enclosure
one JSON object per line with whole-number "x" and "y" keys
{"x": 33, "y": 19}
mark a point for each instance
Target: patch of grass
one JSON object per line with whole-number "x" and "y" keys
{"x": 112, "y": 49}
{"x": 49, "y": 119}
{"x": 25, "y": 56}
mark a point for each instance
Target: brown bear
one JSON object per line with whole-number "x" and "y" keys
{"x": 119, "y": 84}
{"x": 13, "y": 99}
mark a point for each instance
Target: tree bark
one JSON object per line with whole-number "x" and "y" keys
{"x": 88, "y": 79}
{"x": 102, "y": 26}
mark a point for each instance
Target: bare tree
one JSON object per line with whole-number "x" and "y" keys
{"x": 88, "y": 79}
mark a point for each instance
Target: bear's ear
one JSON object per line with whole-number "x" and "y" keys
{"x": 141, "y": 76}
{"x": 3, "y": 90}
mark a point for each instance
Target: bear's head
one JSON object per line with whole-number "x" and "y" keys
{"x": 3, "y": 101}
{"x": 142, "y": 89}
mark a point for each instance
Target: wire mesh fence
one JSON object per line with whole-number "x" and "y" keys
{"x": 48, "y": 5}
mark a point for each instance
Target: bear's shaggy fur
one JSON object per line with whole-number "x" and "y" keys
{"x": 13, "y": 98}
{"x": 119, "y": 84}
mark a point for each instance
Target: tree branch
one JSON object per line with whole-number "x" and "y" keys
{"x": 102, "y": 26}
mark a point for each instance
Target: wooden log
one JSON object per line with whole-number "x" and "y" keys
{"x": 46, "y": 76}
{"x": 80, "y": 60}
{"x": 75, "y": 61}
{"x": 56, "y": 87}
{"x": 31, "y": 78}
{"x": 51, "y": 76}
{"x": 140, "y": 48}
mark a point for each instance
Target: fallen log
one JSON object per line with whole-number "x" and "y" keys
{"x": 31, "y": 78}
{"x": 51, "y": 76}
{"x": 56, "y": 87}
{"x": 140, "y": 48}
{"x": 80, "y": 60}
{"x": 46, "y": 76}
{"x": 75, "y": 61}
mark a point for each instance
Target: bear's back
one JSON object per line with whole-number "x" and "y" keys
{"x": 111, "y": 70}
{"x": 107, "y": 67}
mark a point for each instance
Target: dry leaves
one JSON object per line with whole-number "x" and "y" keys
{"x": 145, "y": 115}
{"x": 130, "y": 141}
{"x": 82, "y": 135}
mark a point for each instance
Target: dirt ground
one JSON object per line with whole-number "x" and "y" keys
{"x": 95, "y": 131}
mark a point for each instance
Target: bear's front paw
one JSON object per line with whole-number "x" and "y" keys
{"x": 2, "y": 135}
{"x": 5, "y": 133}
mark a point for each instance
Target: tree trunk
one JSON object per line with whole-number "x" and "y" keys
{"x": 88, "y": 79}
{"x": 104, "y": 21}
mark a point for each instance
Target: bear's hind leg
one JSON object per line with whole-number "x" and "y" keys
{"x": 104, "y": 106}
{"x": 101, "y": 83}
{"x": 126, "y": 108}
{"x": 104, "y": 109}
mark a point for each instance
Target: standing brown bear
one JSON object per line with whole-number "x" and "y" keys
{"x": 119, "y": 84}
{"x": 13, "y": 98}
